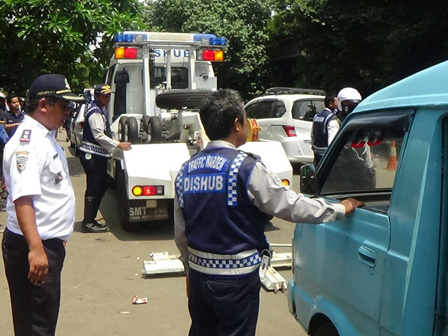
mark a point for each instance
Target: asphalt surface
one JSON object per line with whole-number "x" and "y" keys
{"x": 102, "y": 272}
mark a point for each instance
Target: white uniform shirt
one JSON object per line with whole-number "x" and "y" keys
{"x": 266, "y": 192}
{"x": 35, "y": 165}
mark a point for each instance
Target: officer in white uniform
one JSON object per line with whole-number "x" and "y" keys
{"x": 224, "y": 199}
{"x": 40, "y": 207}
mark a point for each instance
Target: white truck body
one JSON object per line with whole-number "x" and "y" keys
{"x": 154, "y": 105}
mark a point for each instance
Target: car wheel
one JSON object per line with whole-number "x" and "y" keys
{"x": 178, "y": 99}
{"x": 155, "y": 130}
{"x": 327, "y": 329}
{"x": 123, "y": 205}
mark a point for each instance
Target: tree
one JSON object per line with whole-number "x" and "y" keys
{"x": 59, "y": 36}
{"x": 364, "y": 44}
{"x": 242, "y": 22}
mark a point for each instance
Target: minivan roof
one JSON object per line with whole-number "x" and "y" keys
{"x": 425, "y": 88}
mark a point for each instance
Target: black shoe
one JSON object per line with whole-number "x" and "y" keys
{"x": 94, "y": 227}
{"x": 100, "y": 224}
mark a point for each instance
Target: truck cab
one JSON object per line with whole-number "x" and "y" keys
{"x": 381, "y": 270}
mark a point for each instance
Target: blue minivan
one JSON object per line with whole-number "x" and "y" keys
{"x": 383, "y": 269}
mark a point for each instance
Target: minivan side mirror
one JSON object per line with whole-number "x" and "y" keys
{"x": 308, "y": 182}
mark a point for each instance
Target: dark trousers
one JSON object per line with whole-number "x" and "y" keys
{"x": 96, "y": 174}
{"x": 35, "y": 307}
{"x": 223, "y": 306}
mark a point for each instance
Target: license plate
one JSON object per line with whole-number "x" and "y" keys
{"x": 151, "y": 204}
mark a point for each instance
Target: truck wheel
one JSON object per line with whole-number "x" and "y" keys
{"x": 155, "y": 130}
{"x": 123, "y": 205}
{"x": 177, "y": 99}
{"x": 131, "y": 130}
{"x": 144, "y": 124}
{"x": 327, "y": 329}
{"x": 122, "y": 128}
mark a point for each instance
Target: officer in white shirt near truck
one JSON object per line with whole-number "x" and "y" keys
{"x": 40, "y": 207}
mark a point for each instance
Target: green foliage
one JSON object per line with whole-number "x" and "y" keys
{"x": 244, "y": 24}
{"x": 364, "y": 44}
{"x": 331, "y": 43}
{"x": 57, "y": 36}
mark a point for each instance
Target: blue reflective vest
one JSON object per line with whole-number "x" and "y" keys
{"x": 89, "y": 144}
{"x": 320, "y": 131}
{"x": 212, "y": 192}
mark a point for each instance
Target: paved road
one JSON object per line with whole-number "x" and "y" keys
{"x": 102, "y": 273}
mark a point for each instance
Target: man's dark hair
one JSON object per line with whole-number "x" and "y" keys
{"x": 10, "y": 97}
{"x": 328, "y": 100}
{"x": 218, "y": 112}
{"x": 32, "y": 103}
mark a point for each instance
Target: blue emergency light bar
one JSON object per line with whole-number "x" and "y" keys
{"x": 207, "y": 39}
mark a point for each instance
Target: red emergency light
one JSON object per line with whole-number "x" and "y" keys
{"x": 148, "y": 190}
{"x": 210, "y": 55}
{"x": 128, "y": 53}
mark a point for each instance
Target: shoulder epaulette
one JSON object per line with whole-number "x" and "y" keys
{"x": 26, "y": 136}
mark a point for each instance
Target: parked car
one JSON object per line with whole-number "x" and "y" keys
{"x": 383, "y": 269}
{"x": 76, "y": 127}
{"x": 286, "y": 115}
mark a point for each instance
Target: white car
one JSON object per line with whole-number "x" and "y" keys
{"x": 286, "y": 115}
{"x": 76, "y": 127}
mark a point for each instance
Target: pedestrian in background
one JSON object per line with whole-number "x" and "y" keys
{"x": 40, "y": 207}
{"x": 224, "y": 199}
{"x": 354, "y": 162}
{"x": 324, "y": 129}
{"x": 14, "y": 117}
{"x": 96, "y": 148}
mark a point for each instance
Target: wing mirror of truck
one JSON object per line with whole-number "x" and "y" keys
{"x": 308, "y": 182}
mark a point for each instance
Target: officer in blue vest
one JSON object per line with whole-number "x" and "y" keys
{"x": 96, "y": 148}
{"x": 224, "y": 199}
{"x": 325, "y": 127}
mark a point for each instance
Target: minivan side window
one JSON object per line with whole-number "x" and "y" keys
{"x": 366, "y": 163}
{"x": 264, "y": 109}
{"x": 279, "y": 109}
{"x": 251, "y": 110}
{"x": 261, "y": 109}
{"x": 307, "y": 109}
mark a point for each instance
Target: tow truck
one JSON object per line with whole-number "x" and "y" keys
{"x": 158, "y": 81}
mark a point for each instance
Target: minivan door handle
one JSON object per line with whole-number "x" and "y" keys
{"x": 367, "y": 256}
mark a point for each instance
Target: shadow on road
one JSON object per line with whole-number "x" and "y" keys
{"x": 75, "y": 167}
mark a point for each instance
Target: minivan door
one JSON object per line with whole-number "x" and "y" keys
{"x": 346, "y": 259}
